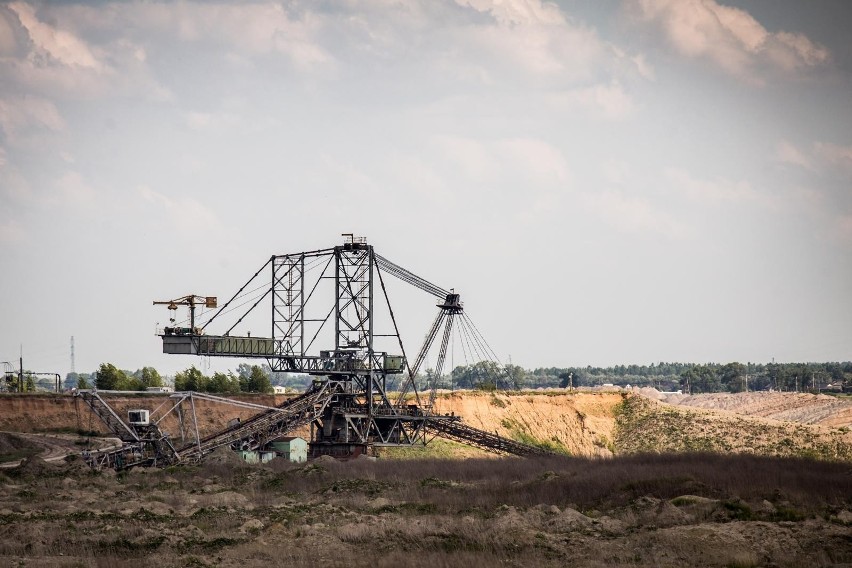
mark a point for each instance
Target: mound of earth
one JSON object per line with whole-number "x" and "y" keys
{"x": 805, "y": 408}
{"x": 11, "y": 443}
{"x": 34, "y": 466}
{"x": 224, "y": 455}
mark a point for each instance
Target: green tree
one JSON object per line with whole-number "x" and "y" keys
{"x": 484, "y": 374}
{"x": 258, "y": 381}
{"x": 71, "y": 380}
{"x": 109, "y": 377}
{"x": 516, "y": 376}
{"x": 190, "y": 380}
{"x": 701, "y": 378}
{"x": 29, "y": 385}
{"x": 222, "y": 383}
{"x": 149, "y": 377}
{"x": 83, "y": 382}
{"x": 732, "y": 376}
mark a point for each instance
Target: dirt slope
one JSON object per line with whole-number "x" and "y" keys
{"x": 790, "y": 407}
{"x": 579, "y": 423}
{"x": 646, "y": 425}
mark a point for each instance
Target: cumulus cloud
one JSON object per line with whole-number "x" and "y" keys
{"x": 522, "y": 158}
{"x": 821, "y": 156}
{"x": 18, "y": 114}
{"x": 183, "y": 214}
{"x": 718, "y": 190}
{"x": 729, "y": 37}
{"x": 835, "y": 155}
{"x": 536, "y": 37}
{"x": 535, "y": 159}
{"x": 11, "y": 231}
{"x": 53, "y": 42}
{"x": 475, "y": 161}
{"x": 632, "y": 214}
{"x": 608, "y": 101}
{"x": 72, "y": 189}
{"x": 51, "y": 50}
{"x": 787, "y": 153}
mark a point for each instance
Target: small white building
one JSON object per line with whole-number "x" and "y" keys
{"x": 292, "y": 448}
{"x": 279, "y": 389}
{"x": 159, "y": 389}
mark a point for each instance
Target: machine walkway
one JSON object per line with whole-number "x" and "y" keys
{"x": 259, "y": 429}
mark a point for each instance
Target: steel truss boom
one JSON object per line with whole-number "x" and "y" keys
{"x": 348, "y": 406}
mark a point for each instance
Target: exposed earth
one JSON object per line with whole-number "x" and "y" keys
{"x": 762, "y": 492}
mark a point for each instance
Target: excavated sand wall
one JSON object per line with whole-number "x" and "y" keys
{"x": 581, "y": 424}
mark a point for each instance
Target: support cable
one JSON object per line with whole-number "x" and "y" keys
{"x": 265, "y": 264}
{"x": 395, "y": 327}
{"x": 410, "y": 278}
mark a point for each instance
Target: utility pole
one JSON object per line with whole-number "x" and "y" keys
{"x": 21, "y": 371}
{"x": 73, "y": 368}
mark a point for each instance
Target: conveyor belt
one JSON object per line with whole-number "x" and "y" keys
{"x": 259, "y": 429}
{"x": 459, "y": 432}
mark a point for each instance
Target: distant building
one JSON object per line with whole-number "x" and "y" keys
{"x": 255, "y": 457}
{"x": 279, "y": 390}
{"x": 292, "y": 448}
{"x": 159, "y": 389}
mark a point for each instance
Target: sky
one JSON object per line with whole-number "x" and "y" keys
{"x": 603, "y": 182}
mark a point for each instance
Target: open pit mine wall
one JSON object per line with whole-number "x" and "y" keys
{"x": 579, "y": 424}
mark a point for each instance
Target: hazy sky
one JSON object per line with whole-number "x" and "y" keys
{"x": 604, "y": 182}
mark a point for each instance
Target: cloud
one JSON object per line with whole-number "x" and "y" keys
{"x": 475, "y": 161}
{"x": 43, "y": 51}
{"x": 11, "y": 231}
{"x": 253, "y": 29}
{"x": 534, "y": 159}
{"x": 73, "y": 190}
{"x": 19, "y": 114}
{"x": 608, "y": 101}
{"x": 183, "y": 214}
{"x": 787, "y": 153}
{"x": 632, "y": 214}
{"x": 14, "y": 189}
{"x": 55, "y": 43}
{"x": 490, "y": 161}
{"x": 719, "y": 190}
{"x": 821, "y": 157}
{"x": 729, "y": 37}
{"x": 834, "y": 155}
{"x": 535, "y": 37}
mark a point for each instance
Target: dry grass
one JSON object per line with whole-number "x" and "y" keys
{"x": 644, "y": 510}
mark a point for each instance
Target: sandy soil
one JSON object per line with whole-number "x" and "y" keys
{"x": 805, "y": 408}
{"x": 652, "y": 511}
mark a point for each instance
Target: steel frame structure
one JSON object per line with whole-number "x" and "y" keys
{"x": 347, "y": 406}
{"x": 362, "y": 414}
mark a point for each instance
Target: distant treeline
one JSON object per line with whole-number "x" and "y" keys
{"x": 487, "y": 375}
{"x": 698, "y": 378}
{"x": 247, "y": 378}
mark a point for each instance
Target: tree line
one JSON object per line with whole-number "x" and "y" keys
{"x": 489, "y": 375}
{"x": 248, "y": 378}
{"x": 688, "y": 377}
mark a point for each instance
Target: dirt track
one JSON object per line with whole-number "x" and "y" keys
{"x": 54, "y": 447}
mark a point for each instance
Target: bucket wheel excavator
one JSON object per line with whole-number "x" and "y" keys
{"x": 350, "y": 406}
